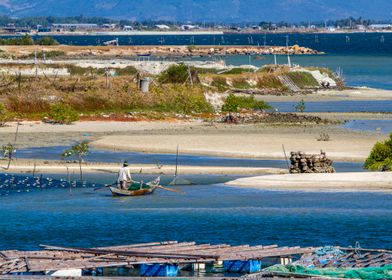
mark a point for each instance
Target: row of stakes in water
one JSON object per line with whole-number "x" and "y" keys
{"x": 10, "y": 183}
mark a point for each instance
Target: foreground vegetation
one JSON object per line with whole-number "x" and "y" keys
{"x": 380, "y": 158}
{"x": 27, "y": 40}
{"x": 180, "y": 89}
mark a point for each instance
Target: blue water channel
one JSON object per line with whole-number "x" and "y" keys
{"x": 206, "y": 214}
{"x": 343, "y": 106}
{"x": 96, "y": 155}
{"x": 379, "y": 126}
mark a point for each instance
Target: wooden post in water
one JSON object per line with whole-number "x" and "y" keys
{"x": 285, "y": 155}
{"x": 35, "y": 165}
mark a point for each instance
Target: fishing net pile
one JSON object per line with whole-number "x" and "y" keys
{"x": 333, "y": 262}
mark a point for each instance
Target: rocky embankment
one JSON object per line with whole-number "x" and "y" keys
{"x": 253, "y": 117}
{"x": 167, "y": 51}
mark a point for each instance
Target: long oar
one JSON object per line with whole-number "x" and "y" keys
{"x": 170, "y": 190}
{"x": 106, "y": 186}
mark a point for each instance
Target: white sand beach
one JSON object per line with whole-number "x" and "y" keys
{"x": 336, "y": 182}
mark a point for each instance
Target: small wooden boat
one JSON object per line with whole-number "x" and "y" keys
{"x": 137, "y": 188}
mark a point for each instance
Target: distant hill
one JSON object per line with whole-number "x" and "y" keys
{"x": 202, "y": 10}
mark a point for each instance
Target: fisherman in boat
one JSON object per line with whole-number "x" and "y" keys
{"x": 124, "y": 176}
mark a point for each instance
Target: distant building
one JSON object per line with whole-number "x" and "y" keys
{"x": 361, "y": 27}
{"x": 74, "y": 26}
{"x": 10, "y": 28}
{"x": 127, "y": 28}
{"x": 188, "y": 27}
{"x": 109, "y": 25}
{"x": 41, "y": 28}
{"x": 380, "y": 26}
{"x": 162, "y": 27}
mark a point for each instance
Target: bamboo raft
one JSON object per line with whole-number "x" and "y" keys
{"x": 61, "y": 258}
{"x": 53, "y": 258}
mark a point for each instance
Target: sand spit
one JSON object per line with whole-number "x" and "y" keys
{"x": 57, "y": 167}
{"x": 337, "y": 182}
{"x": 246, "y": 145}
{"x": 359, "y": 93}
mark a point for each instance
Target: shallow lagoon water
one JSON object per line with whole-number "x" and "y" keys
{"x": 344, "y": 106}
{"x": 380, "y": 126}
{"x": 54, "y": 152}
{"x": 206, "y": 214}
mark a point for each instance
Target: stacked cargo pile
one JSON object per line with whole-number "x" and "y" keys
{"x": 308, "y": 163}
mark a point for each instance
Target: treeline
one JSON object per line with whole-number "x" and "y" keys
{"x": 27, "y": 40}
{"x": 32, "y": 22}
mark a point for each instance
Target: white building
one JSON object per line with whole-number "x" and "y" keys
{"x": 162, "y": 26}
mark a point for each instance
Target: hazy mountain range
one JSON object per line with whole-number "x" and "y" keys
{"x": 203, "y": 10}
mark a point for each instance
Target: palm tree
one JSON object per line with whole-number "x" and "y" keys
{"x": 79, "y": 151}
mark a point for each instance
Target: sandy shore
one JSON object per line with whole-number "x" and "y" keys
{"x": 54, "y": 167}
{"x": 341, "y": 182}
{"x": 360, "y": 93}
{"x": 250, "y": 141}
{"x": 246, "y": 145}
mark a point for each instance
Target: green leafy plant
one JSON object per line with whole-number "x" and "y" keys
{"x": 5, "y": 115}
{"x": 234, "y": 103}
{"x": 300, "y": 107}
{"x": 176, "y": 74}
{"x": 8, "y": 152}
{"x": 78, "y": 151}
{"x": 63, "y": 114}
{"x": 380, "y": 157}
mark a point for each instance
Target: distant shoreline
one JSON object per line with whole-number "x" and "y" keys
{"x": 189, "y": 33}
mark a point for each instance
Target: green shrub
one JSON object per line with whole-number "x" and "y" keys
{"x": 238, "y": 70}
{"x": 381, "y": 156}
{"x": 26, "y": 40}
{"x": 175, "y": 74}
{"x": 234, "y": 103}
{"x": 46, "y": 41}
{"x": 127, "y": 71}
{"x": 178, "y": 99}
{"x": 63, "y": 114}
{"x": 80, "y": 71}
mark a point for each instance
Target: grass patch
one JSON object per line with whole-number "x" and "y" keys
{"x": 127, "y": 71}
{"x": 220, "y": 83}
{"x": 238, "y": 70}
{"x": 303, "y": 79}
{"x": 48, "y": 54}
{"x": 270, "y": 81}
{"x": 241, "y": 83}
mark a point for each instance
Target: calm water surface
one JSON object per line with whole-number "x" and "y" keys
{"x": 380, "y": 126}
{"x": 373, "y": 106}
{"x": 206, "y": 214}
{"x": 53, "y": 153}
